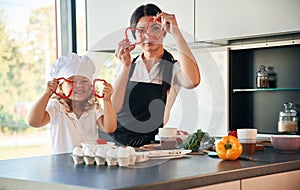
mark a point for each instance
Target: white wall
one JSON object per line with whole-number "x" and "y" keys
{"x": 205, "y": 107}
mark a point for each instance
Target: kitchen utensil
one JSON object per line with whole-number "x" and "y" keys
{"x": 248, "y": 158}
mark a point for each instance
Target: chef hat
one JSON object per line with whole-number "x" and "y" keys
{"x": 71, "y": 65}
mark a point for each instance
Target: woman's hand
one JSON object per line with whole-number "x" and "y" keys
{"x": 123, "y": 52}
{"x": 107, "y": 91}
{"x": 168, "y": 21}
{"x": 51, "y": 87}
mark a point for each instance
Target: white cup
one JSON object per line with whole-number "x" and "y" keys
{"x": 247, "y": 138}
{"x": 167, "y": 137}
{"x": 247, "y": 133}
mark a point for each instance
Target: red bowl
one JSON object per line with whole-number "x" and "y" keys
{"x": 286, "y": 143}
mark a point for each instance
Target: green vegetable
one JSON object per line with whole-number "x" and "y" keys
{"x": 193, "y": 141}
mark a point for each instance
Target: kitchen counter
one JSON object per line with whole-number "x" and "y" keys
{"x": 59, "y": 172}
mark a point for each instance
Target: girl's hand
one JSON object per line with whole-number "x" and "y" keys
{"x": 123, "y": 52}
{"x": 51, "y": 87}
{"x": 107, "y": 91}
{"x": 168, "y": 21}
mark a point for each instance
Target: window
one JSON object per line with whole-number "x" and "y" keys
{"x": 28, "y": 48}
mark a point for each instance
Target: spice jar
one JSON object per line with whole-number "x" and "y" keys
{"x": 288, "y": 120}
{"x": 272, "y": 77}
{"x": 262, "y": 77}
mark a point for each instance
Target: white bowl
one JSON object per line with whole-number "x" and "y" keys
{"x": 286, "y": 143}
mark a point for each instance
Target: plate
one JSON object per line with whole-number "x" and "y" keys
{"x": 167, "y": 153}
{"x": 213, "y": 154}
{"x": 166, "y": 157}
{"x": 141, "y": 157}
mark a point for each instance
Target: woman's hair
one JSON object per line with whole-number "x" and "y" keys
{"x": 141, "y": 11}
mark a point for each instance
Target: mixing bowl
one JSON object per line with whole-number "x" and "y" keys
{"x": 286, "y": 143}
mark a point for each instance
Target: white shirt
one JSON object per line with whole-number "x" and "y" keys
{"x": 141, "y": 74}
{"x": 67, "y": 131}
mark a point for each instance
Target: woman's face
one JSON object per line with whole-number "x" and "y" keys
{"x": 154, "y": 29}
{"x": 82, "y": 88}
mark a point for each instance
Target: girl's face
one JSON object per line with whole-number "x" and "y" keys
{"x": 82, "y": 88}
{"x": 149, "y": 43}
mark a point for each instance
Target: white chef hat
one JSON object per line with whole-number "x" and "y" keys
{"x": 71, "y": 65}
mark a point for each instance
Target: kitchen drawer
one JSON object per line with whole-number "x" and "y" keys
{"x": 285, "y": 180}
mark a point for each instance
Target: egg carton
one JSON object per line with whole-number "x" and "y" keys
{"x": 112, "y": 156}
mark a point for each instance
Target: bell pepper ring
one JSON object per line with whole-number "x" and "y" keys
{"x": 71, "y": 90}
{"x": 148, "y": 29}
{"x": 138, "y": 32}
{"x": 229, "y": 148}
{"x": 94, "y": 88}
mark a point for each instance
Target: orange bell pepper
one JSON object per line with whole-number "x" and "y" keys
{"x": 229, "y": 148}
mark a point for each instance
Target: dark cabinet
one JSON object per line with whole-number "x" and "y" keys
{"x": 250, "y": 107}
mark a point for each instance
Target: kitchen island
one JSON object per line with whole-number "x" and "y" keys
{"x": 59, "y": 172}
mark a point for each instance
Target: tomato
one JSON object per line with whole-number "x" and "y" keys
{"x": 101, "y": 141}
{"x": 229, "y": 148}
{"x": 180, "y": 132}
{"x": 233, "y": 133}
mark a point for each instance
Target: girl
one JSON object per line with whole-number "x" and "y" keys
{"x": 74, "y": 115}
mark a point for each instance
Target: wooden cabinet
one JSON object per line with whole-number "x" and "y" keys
{"x": 107, "y": 20}
{"x": 232, "y": 185}
{"x": 285, "y": 180}
{"x": 234, "y": 19}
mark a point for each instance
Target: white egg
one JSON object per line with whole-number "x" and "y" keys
{"x": 123, "y": 152}
{"x": 77, "y": 151}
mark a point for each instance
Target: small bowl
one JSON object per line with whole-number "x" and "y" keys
{"x": 286, "y": 143}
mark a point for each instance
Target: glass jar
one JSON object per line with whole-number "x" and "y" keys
{"x": 262, "y": 77}
{"x": 272, "y": 77}
{"x": 288, "y": 120}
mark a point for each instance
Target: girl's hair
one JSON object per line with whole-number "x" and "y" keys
{"x": 85, "y": 105}
{"x": 141, "y": 11}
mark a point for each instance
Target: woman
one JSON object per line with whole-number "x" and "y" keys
{"x": 146, "y": 86}
{"x": 74, "y": 113}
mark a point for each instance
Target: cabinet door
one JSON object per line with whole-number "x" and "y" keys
{"x": 286, "y": 180}
{"x": 107, "y": 20}
{"x": 232, "y": 19}
{"x": 232, "y": 185}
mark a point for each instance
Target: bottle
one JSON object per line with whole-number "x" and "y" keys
{"x": 262, "y": 78}
{"x": 272, "y": 77}
{"x": 288, "y": 120}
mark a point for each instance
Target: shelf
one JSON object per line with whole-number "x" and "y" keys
{"x": 265, "y": 89}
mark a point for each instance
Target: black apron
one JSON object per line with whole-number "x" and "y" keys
{"x": 143, "y": 109}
